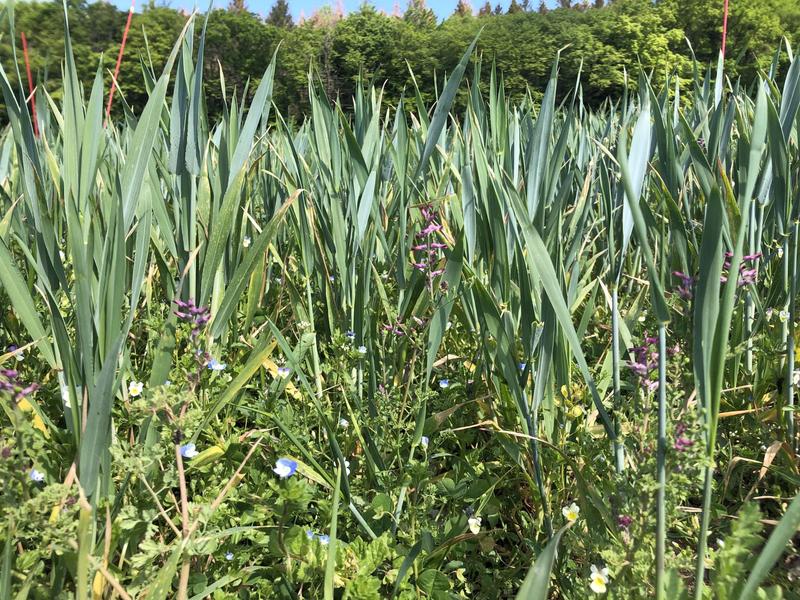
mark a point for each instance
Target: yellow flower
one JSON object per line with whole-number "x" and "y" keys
{"x": 571, "y": 512}
{"x": 575, "y": 412}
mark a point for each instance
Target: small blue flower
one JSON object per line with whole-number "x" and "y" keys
{"x": 215, "y": 365}
{"x": 309, "y": 534}
{"x": 283, "y": 372}
{"x": 350, "y": 335}
{"x": 285, "y": 467}
{"x": 189, "y": 450}
{"x": 229, "y": 556}
{"x": 444, "y": 383}
{"x": 36, "y": 476}
{"x": 424, "y": 441}
{"x": 522, "y": 366}
{"x": 324, "y": 539}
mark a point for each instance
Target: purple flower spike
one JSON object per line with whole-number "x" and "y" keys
{"x": 191, "y": 314}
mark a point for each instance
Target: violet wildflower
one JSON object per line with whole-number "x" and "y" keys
{"x": 747, "y": 274}
{"x": 429, "y": 255}
{"x": 624, "y": 521}
{"x": 682, "y": 443}
{"x": 684, "y": 290}
{"x": 396, "y": 329}
{"x": 645, "y": 361}
{"x": 196, "y": 316}
{"x": 36, "y": 476}
{"x": 10, "y": 383}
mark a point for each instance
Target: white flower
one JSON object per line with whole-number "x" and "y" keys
{"x": 599, "y": 580}
{"x": 36, "y": 476}
{"x": 19, "y": 355}
{"x": 246, "y": 241}
{"x": 347, "y": 466}
{"x": 796, "y": 377}
{"x": 283, "y": 372}
{"x": 474, "y": 524}
{"x": 571, "y": 512}
{"x": 424, "y": 441}
{"x": 362, "y": 349}
{"x": 344, "y": 423}
{"x": 229, "y": 555}
{"x": 444, "y": 383}
{"x": 62, "y": 256}
{"x": 783, "y": 316}
{"x": 135, "y": 388}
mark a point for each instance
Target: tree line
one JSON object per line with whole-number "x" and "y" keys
{"x": 602, "y": 41}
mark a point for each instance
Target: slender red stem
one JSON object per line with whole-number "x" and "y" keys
{"x": 30, "y": 83}
{"x": 724, "y": 27}
{"x": 119, "y": 62}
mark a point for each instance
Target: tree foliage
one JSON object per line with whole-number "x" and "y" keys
{"x": 601, "y": 41}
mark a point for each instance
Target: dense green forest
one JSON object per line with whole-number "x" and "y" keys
{"x": 601, "y": 41}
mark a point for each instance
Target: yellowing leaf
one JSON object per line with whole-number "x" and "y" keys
{"x": 98, "y": 586}
{"x": 25, "y": 406}
{"x": 208, "y": 455}
{"x": 270, "y": 366}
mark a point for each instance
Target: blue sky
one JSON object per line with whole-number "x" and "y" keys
{"x": 442, "y": 8}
